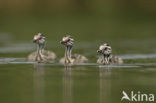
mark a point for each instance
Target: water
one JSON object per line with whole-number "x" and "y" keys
{"x": 30, "y": 82}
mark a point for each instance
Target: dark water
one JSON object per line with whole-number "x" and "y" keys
{"x": 28, "y": 82}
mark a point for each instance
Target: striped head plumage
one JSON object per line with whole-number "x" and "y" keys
{"x": 67, "y": 41}
{"x": 105, "y": 49}
{"x": 39, "y": 38}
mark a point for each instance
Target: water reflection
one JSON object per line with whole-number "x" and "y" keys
{"x": 67, "y": 85}
{"x": 39, "y": 83}
{"x": 105, "y": 85}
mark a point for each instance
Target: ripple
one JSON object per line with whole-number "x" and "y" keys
{"x": 119, "y": 66}
{"x": 138, "y": 56}
{"x": 10, "y": 59}
{"x": 17, "y": 48}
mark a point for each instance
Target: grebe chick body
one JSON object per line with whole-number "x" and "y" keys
{"x": 68, "y": 42}
{"x": 46, "y": 56}
{"x": 75, "y": 58}
{"x": 107, "y": 57}
{"x": 41, "y": 55}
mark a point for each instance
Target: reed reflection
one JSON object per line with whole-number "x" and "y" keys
{"x": 67, "y": 85}
{"x": 105, "y": 85}
{"x": 39, "y": 83}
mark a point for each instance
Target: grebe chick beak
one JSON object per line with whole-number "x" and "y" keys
{"x": 61, "y": 42}
{"x": 34, "y": 41}
{"x": 99, "y": 51}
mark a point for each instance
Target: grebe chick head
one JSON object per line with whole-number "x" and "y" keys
{"x": 105, "y": 49}
{"x": 39, "y": 38}
{"x": 67, "y": 41}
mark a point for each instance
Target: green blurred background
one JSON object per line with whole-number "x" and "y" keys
{"x": 88, "y": 21}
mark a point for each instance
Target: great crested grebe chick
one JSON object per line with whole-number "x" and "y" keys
{"x": 41, "y": 55}
{"x": 68, "y": 42}
{"x": 107, "y": 57}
